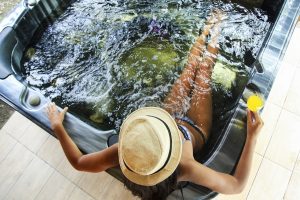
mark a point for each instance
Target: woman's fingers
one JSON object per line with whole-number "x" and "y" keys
{"x": 53, "y": 112}
{"x": 48, "y": 108}
{"x": 257, "y": 116}
{"x": 64, "y": 111}
{"x": 249, "y": 117}
{"x": 51, "y": 108}
{"x": 254, "y": 120}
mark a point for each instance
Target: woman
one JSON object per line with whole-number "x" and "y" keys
{"x": 157, "y": 146}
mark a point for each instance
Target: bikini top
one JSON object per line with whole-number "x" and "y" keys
{"x": 186, "y": 133}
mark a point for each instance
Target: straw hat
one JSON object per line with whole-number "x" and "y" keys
{"x": 149, "y": 146}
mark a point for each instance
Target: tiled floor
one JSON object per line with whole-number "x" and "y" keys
{"x": 33, "y": 165}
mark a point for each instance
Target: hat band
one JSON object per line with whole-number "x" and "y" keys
{"x": 169, "y": 154}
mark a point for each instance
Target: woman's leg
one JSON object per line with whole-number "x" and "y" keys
{"x": 201, "y": 103}
{"x": 178, "y": 97}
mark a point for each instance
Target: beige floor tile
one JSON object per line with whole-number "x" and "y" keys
{"x": 282, "y": 83}
{"x": 293, "y": 191}
{"x": 296, "y": 82}
{"x": 34, "y": 137}
{"x": 31, "y": 181}
{"x": 270, "y": 116}
{"x": 292, "y": 100}
{"x": 95, "y": 184}
{"x": 57, "y": 187}
{"x": 297, "y": 165}
{"x": 78, "y": 194}
{"x": 270, "y": 183}
{"x": 12, "y": 167}
{"x": 292, "y": 52}
{"x": 66, "y": 169}
{"x": 6, "y": 144}
{"x": 16, "y": 125}
{"x": 257, "y": 159}
{"x": 285, "y": 143}
{"x": 117, "y": 191}
{"x": 51, "y": 152}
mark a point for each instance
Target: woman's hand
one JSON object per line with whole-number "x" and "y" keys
{"x": 56, "y": 118}
{"x": 254, "y": 124}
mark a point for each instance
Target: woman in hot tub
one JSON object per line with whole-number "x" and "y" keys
{"x": 157, "y": 145}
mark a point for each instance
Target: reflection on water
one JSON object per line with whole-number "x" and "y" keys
{"x": 104, "y": 59}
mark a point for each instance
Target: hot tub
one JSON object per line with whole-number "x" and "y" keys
{"x": 222, "y": 151}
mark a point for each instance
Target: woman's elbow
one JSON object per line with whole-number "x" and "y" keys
{"x": 76, "y": 165}
{"x": 236, "y": 188}
{"x": 86, "y": 168}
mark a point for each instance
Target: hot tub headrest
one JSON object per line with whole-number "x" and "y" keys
{"x": 7, "y": 43}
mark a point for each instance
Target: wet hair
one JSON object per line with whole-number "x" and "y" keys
{"x": 159, "y": 191}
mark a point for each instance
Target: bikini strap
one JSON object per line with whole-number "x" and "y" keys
{"x": 185, "y": 132}
{"x": 191, "y": 123}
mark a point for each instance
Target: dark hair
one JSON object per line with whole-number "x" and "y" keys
{"x": 159, "y": 191}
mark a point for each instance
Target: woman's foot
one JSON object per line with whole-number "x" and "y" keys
{"x": 211, "y": 27}
{"x": 216, "y": 30}
{"x": 214, "y": 17}
{"x": 213, "y": 46}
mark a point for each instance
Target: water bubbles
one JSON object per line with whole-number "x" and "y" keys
{"x": 105, "y": 59}
{"x": 155, "y": 57}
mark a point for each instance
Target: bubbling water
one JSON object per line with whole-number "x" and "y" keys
{"x": 105, "y": 59}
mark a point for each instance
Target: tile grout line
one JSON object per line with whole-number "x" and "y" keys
{"x": 11, "y": 147}
{"x": 279, "y": 164}
{"x": 38, "y": 150}
{"x": 298, "y": 156}
{"x": 8, "y": 153}
{"x": 248, "y": 193}
{"x": 55, "y": 168}
{"x": 69, "y": 197}
{"x": 268, "y": 143}
{"x": 276, "y": 165}
{"x": 281, "y": 110}
{"x": 19, "y": 175}
{"x": 76, "y": 186}
{"x": 264, "y": 154}
{"x": 292, "y": 112}
{"x": 35, "y": 153}
{"x": 292, "y": 78}
{"x": 25, "y": 129}
{"x": 66, "y": 176}
{"x": 44, "y": 184}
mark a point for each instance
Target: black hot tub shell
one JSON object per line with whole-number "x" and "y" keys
{"x": 17, "y": 30}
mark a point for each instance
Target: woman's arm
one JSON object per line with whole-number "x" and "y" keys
{"x": 226, "y": 183}
{"x": 94, "y": 162}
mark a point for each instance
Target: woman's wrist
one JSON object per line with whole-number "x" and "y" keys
{"x": 251, "y": 138}
{"x": 57, "y": 127}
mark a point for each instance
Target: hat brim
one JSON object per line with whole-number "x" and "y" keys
{"x": 170, "y": 167}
